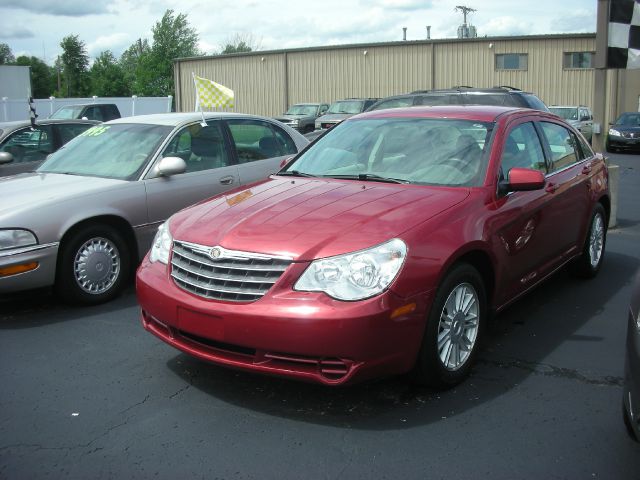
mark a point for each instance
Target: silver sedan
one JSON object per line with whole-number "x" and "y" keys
{"x": 86, "y": 217}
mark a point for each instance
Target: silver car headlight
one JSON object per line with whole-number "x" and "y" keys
{"x": 355, "y": 276}
{"x": 16, "y": 238}
{"x": 614, "y": 133}
{"x": 161, "y": 245}
{"x": 294, "y": 123}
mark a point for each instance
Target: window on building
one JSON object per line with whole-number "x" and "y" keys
{"x": 512, "y": 61}
{"x": 578, "y": 59}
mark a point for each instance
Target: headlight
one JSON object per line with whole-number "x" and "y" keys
{"x": 294, "y": 123}
{"x": 16, "y": 239}
{"x": 614, "y": 133}
{"x": 161, "y": 245}
{"x": 355, "y": 276}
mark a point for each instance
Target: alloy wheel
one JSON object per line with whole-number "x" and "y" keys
{"x": 458, "y": 326}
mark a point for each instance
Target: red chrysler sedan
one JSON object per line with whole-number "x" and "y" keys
{"x": 382, "y": 248}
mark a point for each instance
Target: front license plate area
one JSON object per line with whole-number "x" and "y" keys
{"x": 200, "y": 324}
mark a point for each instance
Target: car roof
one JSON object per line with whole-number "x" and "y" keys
{"x": 7, "y": 126}
{"x": 482, "y": 113}
{"x": 84, "y": 104}
{"x": 176, "y": 119}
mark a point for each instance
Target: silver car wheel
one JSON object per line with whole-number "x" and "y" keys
{"x": 96, "y": 266}
{"x": 596, "y": 240}
{"x": 458, "y": 326}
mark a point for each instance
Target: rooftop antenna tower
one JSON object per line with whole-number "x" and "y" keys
{"x": 466, "y": 30}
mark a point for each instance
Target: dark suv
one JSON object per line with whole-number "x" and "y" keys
{"x": 503, "y": 96}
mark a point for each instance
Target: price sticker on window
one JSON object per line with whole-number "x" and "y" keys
{"x": 95, "y": 131}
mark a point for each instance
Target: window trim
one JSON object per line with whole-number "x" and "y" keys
{"x": 547, "y": 148}
{"x": 523, "y": 54}
{"x": 564, "y": 63}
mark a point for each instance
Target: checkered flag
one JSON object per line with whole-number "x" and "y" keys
{"x": 211, "y": 94}
{"x": 32, "y": 113}
{"x": 624, "y": 34}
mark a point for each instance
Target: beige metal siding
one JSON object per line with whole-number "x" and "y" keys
{"x": 268, "y": 83}
{"x": 258, "y": 81}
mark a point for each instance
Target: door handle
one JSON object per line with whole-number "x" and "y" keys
{"x": 226, "y": 180}
{"x": 586, "y": 170}
{"x": 551, "y": 187}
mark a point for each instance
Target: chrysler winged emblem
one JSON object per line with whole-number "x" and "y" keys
{"x": 215, "y": 253}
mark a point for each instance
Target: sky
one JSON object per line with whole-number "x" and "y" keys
{"x": 36, "y": 27}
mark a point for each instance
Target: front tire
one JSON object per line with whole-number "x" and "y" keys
{"x": 454, "y": 327}
{"x": 93, "y": 265}
{"x": 590, "y": 261}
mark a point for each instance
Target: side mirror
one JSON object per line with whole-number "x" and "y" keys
{"x": 523, "y": 180}
{"x": 5, "y": 157}
{"x": 171, "y": 166}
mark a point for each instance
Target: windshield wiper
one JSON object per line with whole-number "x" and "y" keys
{"x": 369, "y": 177}
{"x": 295, "y": 173}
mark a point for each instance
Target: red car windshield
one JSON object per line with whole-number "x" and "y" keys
{"x": 423, "y": 151}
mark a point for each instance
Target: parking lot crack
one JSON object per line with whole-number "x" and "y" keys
{"x": 134, "y": 405}
{"x": 183, "y": 389}
{"x": 538, "y": 368}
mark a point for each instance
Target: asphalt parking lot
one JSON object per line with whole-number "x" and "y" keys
{"x": 86, "y": 393}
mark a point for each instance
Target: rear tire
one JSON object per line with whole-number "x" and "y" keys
{"x": 93, "y": 265}
{"x": 453, "y": 331}
{"x": 589, "y": 263}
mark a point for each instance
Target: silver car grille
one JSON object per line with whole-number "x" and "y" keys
{"x": 220, "y": 274}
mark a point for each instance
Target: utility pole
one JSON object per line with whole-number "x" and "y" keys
{"x": 464, "y": 11}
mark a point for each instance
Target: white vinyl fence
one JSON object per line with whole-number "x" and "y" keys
{"x": 18, "y": 109}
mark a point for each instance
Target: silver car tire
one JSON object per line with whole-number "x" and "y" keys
{"x": 93, "y": 265}
{"x": 588, "y": 264}
{"x": 454, "y": 325}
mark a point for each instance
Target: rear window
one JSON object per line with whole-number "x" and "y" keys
{"x": 491, "y": 99}
{"x": 534, "y": 102}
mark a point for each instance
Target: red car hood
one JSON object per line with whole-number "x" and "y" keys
{"x": 309, "y": 218}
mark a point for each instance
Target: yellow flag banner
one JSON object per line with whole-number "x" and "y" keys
{"x": 211, "y": 94}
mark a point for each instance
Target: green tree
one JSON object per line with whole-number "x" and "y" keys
{"x": 43, "y": 77}
{"x": 240, "y": 43}
{"x": 75, "y": 63}
{"x": 130, "y": 62}
{"x": 172, "y": 38}
{"x": 6, "y": 55}
{"x": 107, "y": 77}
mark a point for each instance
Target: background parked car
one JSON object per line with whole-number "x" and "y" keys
{"x": 578, "y": 116}
{"x": 624, "y": 133}
{"x": 342, "y": 109}
{"x": 302, "y": 116}
{"x": 83, "y": 220}
{"x": 23, "y": 148}
{"x": 502, "y": 96}
{"x": 631, "y": 392}
{"x": 88, "y": 111}
{"x": 382, "y": 247}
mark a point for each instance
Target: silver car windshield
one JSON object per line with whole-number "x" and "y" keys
{"x": 302, "y": 110}
{"x": 566, "y": 113}
{"x": 111, "y": 151}
{"x": 346, "y": 107}
{"x": 66, "y": 113}
{"x": 423, "y": 151}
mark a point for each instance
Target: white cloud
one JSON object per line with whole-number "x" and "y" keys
{"x": 503, "y": 26}
{"x": 71, "y": 8}
{"x": 116, "y": 42}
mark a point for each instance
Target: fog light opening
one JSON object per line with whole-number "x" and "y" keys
{"x": 16, "y": 269}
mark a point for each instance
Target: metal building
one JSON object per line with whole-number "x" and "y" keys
{"x": 558, "y": 68}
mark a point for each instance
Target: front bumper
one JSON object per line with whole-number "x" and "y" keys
{"x": 623, "y": 142}
{"x": 631, "y": 391}
{"x": 301, "y": 335}
{"x": 45, "y": 256}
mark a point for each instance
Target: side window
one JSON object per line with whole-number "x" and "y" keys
{"x": 562, "y": 144}
{"x": 28, "y": 145}
{"x": 256, "y": 140}
{"x": 323, "y": 109}
{"x": 201, "y": 148}
{"x": 69, "y": 131}
{"x": 585, "y": 148}
{"x": 522, "y": 149}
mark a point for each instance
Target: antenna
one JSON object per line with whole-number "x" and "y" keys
{"x": 464, "y": 11}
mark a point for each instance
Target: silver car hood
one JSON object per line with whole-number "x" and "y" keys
{"x": 27, "y": 192}
{"x": 332, "y": 117}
